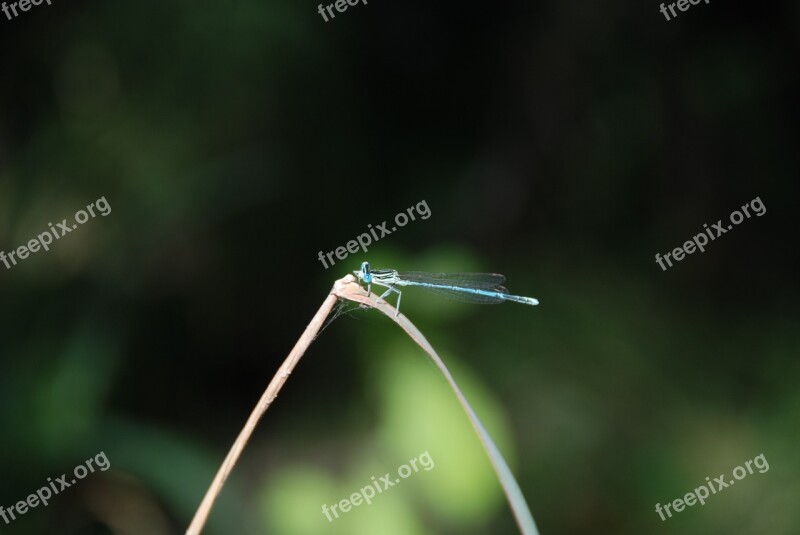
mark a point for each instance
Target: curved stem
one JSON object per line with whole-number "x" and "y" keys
{"x": 269, "y": 395}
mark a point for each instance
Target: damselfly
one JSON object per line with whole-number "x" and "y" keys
{"x": 484, "y": 288}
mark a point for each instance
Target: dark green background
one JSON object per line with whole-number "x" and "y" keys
{"x": 560, "y": 143}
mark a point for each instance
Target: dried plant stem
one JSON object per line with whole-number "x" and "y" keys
{"x": 266, "y": 400}
{"x": 348, "y": 289}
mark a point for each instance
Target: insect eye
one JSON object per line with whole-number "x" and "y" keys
{"x": 366, "y": 277}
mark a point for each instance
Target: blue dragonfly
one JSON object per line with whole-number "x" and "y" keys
{"x": 483, "y": 288}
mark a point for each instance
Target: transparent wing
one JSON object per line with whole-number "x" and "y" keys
{"x": 481, "y": 281}
{"x": 467, "y": 297}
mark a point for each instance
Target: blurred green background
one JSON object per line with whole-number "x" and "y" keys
{"x": 561, "y": 144}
